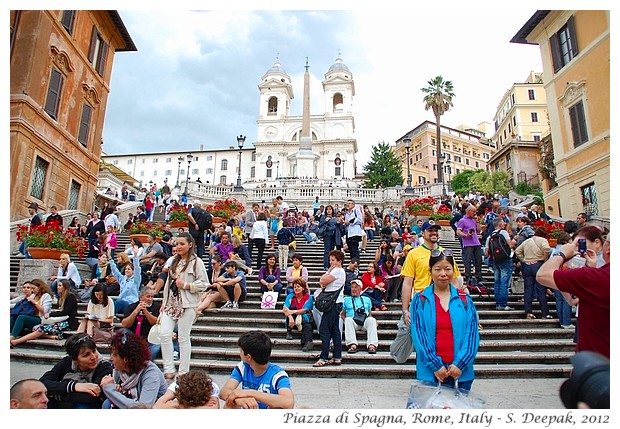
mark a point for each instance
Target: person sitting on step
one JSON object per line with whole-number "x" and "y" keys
{"x": 298, "y": 310}
{"x": 297, "y": 270}
{"x": 232, "y": 284}
{"x": 351, "y": 306}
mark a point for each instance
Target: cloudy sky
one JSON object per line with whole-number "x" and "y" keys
{"x": 194, "y": 77}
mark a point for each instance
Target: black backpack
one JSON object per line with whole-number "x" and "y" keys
{"x": 499, "y": 250}
{"x": 203, "y": 218}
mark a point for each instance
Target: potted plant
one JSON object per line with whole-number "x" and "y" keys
{"x": 420, "y": 206}
{"x": 142, "y": 229}
{"x": 223, "y": 210}
{"x": 553, "y": 230}
{"x": 442, "y": 216}
{"x": 50, "y": 241}
{"x": 178, "y": 217}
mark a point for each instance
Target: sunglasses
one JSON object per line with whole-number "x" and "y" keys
{"x": 437, "y": 252}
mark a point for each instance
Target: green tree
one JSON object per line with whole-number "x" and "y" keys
{"x": 438, "y": 98}
{"x": 501, "y": 182}
{"x": 460, "y": 182}
{"x": 481, "y": 181}
{"x": 384, "y": 170}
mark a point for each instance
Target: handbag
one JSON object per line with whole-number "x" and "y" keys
{"x": 431, "y": 395}
{"x": 53, "y": 320}
{"x": 402, "y": 346}
{"x": 326, "y": 300}
{"x": 23, "y": 307}
{"x": 102, "y": 335}
{"x": 269, "y": 300}
{"x": 154, "y": 334}
{"x": 360, "y": 313}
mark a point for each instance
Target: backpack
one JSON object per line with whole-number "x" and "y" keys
{"x": 499, "y": 250}
{"x": 204, "y": 219}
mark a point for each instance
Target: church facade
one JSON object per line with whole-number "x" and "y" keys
{"x": 307, "y": 146}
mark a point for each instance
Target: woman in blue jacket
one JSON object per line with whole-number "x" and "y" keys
{"x": 444, "y": 327}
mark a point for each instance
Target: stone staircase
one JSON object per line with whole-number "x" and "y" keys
{"x": 510, "y": 347}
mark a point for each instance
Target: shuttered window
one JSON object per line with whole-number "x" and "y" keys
{"x": 53, "y": 94}
{"x": 564, "y": 45}
{"x": 67, "y": 20}
{"x": 578, "y": 124}
{"x": 87, "y": 113}
{"x": 38, "y": 177}
{"x": 98, "y": 51}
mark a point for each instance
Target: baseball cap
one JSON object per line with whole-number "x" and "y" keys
{"x": 358, "y": 281}
{"x": 406, "y": 235}
{"x": 427, "y": 225}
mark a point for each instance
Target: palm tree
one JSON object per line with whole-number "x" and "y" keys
{"x": 439, "y": 94}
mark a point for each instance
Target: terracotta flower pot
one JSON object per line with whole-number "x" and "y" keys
{"x": 142, "y": 237}
{"x": 179, "y": 223}
{"x": 443, "y": 222}
{"x": 552, "y": 242}
{"x": 46, "y": 253}
{"x": 218, "y": 220}
{"x": 423, "y": 213}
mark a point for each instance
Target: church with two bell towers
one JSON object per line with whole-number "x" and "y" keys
{"x": 307, "y": 146}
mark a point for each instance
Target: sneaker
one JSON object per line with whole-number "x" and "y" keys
{"x": 308, "y": 346}
{"x": 508, "y": 308}
{"x": 498, "y": 307}
{"x": 228, "y": 305}
{"x": 289, "y": 335}
{"x": 235, "y": 305}
{"x": 571, "y": 326}
{"x": 175, "y": 355}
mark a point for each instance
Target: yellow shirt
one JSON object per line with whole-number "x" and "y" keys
{"x": 416, "y": 266}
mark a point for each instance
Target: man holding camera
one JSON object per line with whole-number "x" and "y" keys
{"x": 467, "y": 229}
{"x": 357, "y": 316}
{"x": 588, "y": 283}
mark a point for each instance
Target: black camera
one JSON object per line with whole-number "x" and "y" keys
{"x": 588, "y": 382}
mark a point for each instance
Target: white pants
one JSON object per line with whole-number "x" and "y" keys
{"x": 370, "y": 326}
{"x": 185, "y": 346}
{"x": 283, "y": 256}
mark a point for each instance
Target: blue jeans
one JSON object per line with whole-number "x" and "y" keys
{"x": 120, "y": 305}
{"x": 375, "y": 296}
{"x": 502, "y": 273}
{"x": 563, "y": 308}
{"x": 329, "y": 330}
{"x": 328, "y": 245}
{"x": 370, "y": 234}
{"x": 23, "y": 249}
{"x": 531, "y": 287}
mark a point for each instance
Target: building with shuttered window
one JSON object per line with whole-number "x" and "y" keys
{"x": 575, "y": 50}
{"x": 61, "y": 66}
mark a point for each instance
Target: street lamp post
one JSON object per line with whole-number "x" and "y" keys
{"x": 408, "y": 189}
{"x": 240, "y": 141}
{"x": 189, "y": 161}
{"x": 443, "y": 162}
{"x": 180, "y": 159}
{"x": 448, "y": 171}
{"x": 277, "y": 170}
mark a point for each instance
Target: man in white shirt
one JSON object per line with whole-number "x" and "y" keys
{"x": 112, "y": 219}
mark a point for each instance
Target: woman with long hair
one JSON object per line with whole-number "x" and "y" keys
{"x": 66, "y": 317}
{"x": 129, "y": 283}
{"x": 329, "y": 225}
{"x": 373, "y": 286}
{"x": 269, "y": 275}
{"x": 41, "y": 299}
{"x": 66, "y": 270}
{"x": 444, "y": 327}
{"x": 136, "y": 379}
{"x": 74, "y": 226}
{"x": 135, "y": 248}
{"x": 187, "y": 279}
{"x": 99, "y": 311}
{"x": 382, "y": 251}
{"x": 74, "y": 381}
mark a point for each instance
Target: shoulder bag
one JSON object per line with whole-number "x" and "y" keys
{"x": 326, "y": 300}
